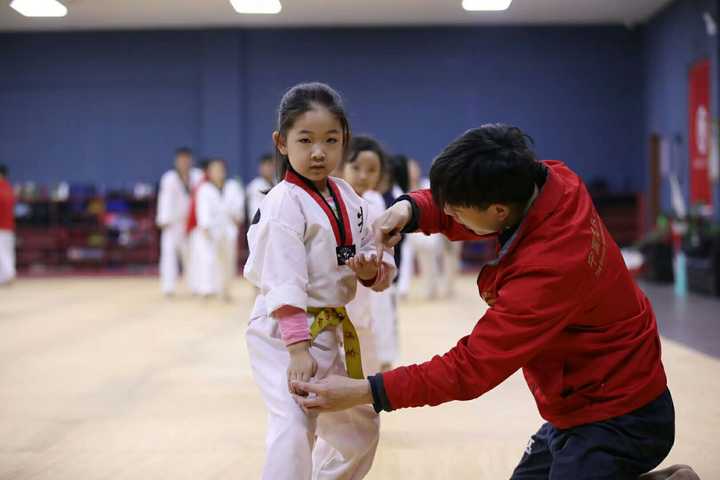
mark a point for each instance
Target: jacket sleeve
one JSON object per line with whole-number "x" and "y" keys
{"x": 166, "y": 195}
{"x": 429, "y": 218}
{"x": 532, "y": 308}
{"x": 277, "y": 263}
{"x": 235, "y": 201}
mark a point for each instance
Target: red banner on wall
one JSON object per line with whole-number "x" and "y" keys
{"x": 699, "y": 134}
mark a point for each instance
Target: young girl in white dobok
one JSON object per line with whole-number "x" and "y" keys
{"x": 310, "y": 244}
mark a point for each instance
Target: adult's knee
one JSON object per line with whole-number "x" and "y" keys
{"x": 675, "y": 472}
{"x": 684, "y": 473}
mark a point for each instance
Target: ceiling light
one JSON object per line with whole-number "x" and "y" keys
{"x": 257, "y": 6}
{"x": 39, "y": 8}
{"x": 486, "y": 5}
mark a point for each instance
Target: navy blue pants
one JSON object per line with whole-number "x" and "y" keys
{"x": 619, "y": 448}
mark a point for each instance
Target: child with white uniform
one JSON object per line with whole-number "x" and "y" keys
{"x": 172, "y": 215}
{"x": 220, "y": 211}
{"x": 373, "y": 313}
{"x": 310, "y": 243}
{"x": 192, "y": 274}
{"x": 438, "y": 258}
{"x": 258, "y": 188}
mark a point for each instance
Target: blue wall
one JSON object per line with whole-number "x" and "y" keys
{"x": 110, "y": 107}
{"x": 672, "y": 42}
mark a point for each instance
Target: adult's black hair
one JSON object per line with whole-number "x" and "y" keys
{"x": 490, "y": 164}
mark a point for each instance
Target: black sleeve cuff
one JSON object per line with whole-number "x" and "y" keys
{"x": 380, "y": 400}
{"x": 413, "y": 225}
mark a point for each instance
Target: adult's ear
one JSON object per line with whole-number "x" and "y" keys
{"x": 502, "y": 212}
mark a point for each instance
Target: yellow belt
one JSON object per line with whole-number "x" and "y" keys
{"x": 332, "y": 317}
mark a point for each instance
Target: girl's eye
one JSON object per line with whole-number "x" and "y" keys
{"x": 304, "y": 140}
{"x": 332, "y": 140}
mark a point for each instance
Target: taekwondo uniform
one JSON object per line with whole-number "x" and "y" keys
{"x": 256, "y": 191}
{"x": 214, "y": 241}
{"x": 172, "y": 214}
{"x": 374, "y": 314}
{"x": 298, "y": 248}
{"x": 439, "y": 259}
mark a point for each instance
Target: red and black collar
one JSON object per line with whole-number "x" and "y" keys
{"x": 340, "y": 223}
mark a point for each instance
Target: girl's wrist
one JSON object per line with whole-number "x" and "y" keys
{"x": 298, "y": 347}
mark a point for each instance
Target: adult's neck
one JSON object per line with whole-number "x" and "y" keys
{"x": 515, "y": 218}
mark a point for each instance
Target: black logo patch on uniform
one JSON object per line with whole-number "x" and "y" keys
{"x": 344, "y": 253}
{"x": 361, "y": 217}
{"x": 256, "y": 218}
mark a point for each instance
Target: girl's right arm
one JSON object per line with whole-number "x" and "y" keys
{"x": 278, "y": 265}
{"x": 296, "y": 335}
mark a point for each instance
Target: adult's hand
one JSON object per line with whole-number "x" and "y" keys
{"x": 388, "y": 226}
{"x": 332, "y": 393}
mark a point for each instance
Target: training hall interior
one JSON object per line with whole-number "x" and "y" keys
{"x": 123, "y": 351}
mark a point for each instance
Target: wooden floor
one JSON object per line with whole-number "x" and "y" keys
{"x": 105, "y": 379}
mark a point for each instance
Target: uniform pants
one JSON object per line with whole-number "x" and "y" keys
{"x": 227, "y": 262}
{"x": 173, "y": 250}
{"x": 337, "y": 445}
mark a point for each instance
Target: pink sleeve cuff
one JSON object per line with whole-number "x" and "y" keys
{"x": 293, "y": 324}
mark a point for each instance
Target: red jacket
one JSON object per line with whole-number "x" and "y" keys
{"x": 7, "y": 206}
{"x": 564, "y": 309}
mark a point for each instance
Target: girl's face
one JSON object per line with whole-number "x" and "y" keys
{"x": 364, "y": 173}
{"x": 314, "y": 145}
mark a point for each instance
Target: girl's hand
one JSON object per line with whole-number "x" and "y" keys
{"x": 303, "y": 365}
{"x": 366, "y": 268}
